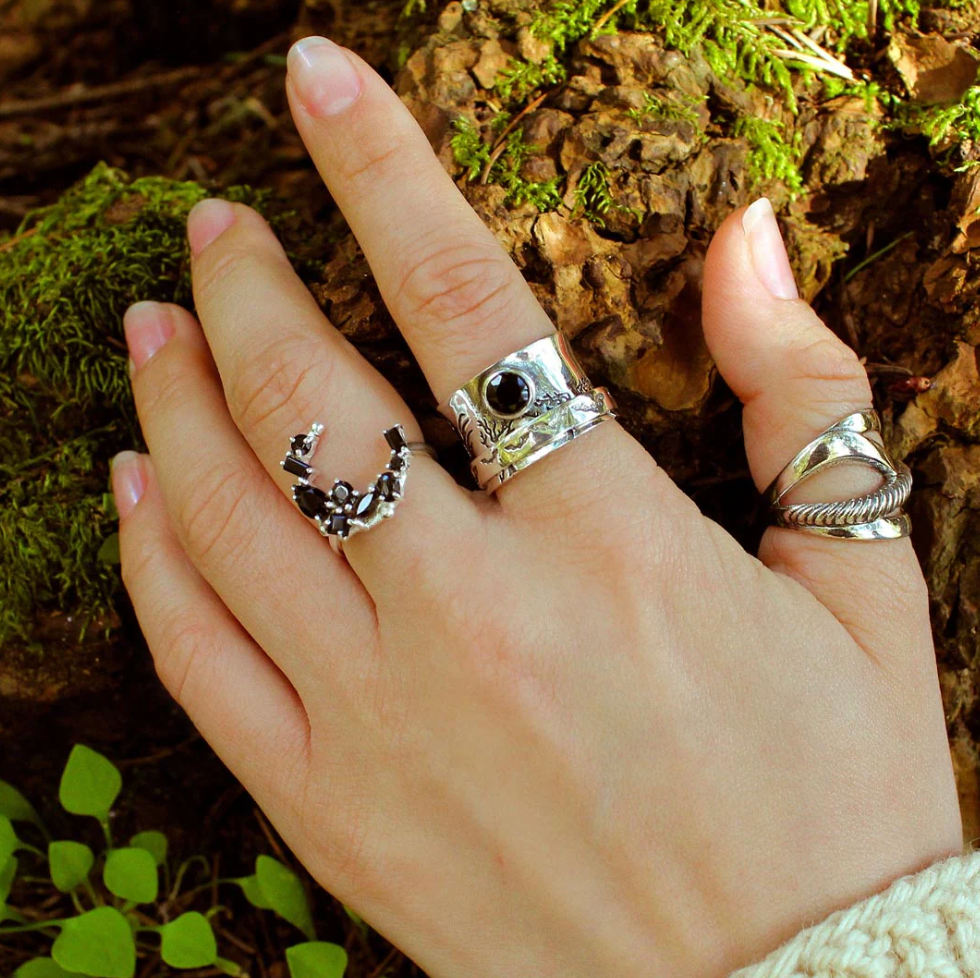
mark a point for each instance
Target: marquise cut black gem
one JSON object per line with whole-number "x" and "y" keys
{"x": 297, "y": 467}
{"x": 366, "y": 505}
{"x": 312, "y": 502}
{"x": 508, "y": 393}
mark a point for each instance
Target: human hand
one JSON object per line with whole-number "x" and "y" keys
{"x": 572, "y": 729}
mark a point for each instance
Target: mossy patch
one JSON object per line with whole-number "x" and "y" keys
{"x": 66, "y": 277}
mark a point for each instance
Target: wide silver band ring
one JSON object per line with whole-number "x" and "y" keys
{"x": 342, "y": 511}
{"x": 524, "y": 407}
{"x": 876, "y": 515}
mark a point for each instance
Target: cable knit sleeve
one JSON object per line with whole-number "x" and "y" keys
{"x": 922, "y": 926}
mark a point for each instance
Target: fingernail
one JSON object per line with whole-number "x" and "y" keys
{"x": 128, "y": 481}
{"x": 768, "y": 251}
{"x": 206, "y": 221}
{"x": 325, "y": 79}
{"x": 148, "y": 325}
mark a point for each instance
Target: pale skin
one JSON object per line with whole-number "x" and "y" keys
{"x": 537, "y": 733}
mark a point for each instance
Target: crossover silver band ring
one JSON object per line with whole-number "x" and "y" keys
{"x": 342, "y": 511}
{"x": 874, "y": 516}
{"x": 524, "y": 407}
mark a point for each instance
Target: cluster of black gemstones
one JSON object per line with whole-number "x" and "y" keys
{"x": 334, "y": 510}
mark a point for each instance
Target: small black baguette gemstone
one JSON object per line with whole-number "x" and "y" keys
{"x": 312, "y": 502}
{"x": 397, "y": 463}
{"x": 396, "y": 438}
{"x": 297, "y": 467}
{"x": 386, "y": 486}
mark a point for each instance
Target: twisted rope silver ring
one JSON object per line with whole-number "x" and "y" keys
{"x": 874, "y": 516}
{"x": 343, "y": 511}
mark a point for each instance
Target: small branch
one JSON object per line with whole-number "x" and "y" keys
{"x": 872, "y": 19}
{"x": 379, "y": 971}
{"x": 831, "y": 66}
{"x": 7, "y": 245}
{"x": 607, "y": 16}
{"x": 84, "y": 96}
{"x": 501, "y": 144}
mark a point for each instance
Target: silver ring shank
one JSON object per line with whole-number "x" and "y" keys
{"x": 874, "y": 516}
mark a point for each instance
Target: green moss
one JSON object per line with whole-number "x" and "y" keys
{"x": 473, "y": 153}
{"x": 944, "y": 124}
{"x": 593, "y": 198}
{"x": 519, "y": 79}
{"x": 771, "y": 158}
{"x": 669, "y": 109}
{"x": 66, "y": 277}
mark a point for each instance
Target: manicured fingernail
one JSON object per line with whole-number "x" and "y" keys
{"x": 128, "y": 481}
{"x": 206, "y": 221}
{"x": 325, "y": 79}
{"x": 768, "y": 251}
{"x": 148, "y": 325}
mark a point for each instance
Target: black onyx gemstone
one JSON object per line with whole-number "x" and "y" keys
{"x": 341, "y": 493}
{"x": 386, "y": 486}
{"x": 337, "y": 524}
{"x": 312, "y": 502}
{"x": 366, "y": 505}
{"x": 295, "y": 466}
{"x": 396, "y": 438}
{"x": 508, "y": 393}
{"x": 397, "y": 463}
{"x": 298, "y": 444}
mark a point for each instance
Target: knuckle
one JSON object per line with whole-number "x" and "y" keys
{"x": 225, "y": 267}
{"x": 826, "y": 360}
{"x": 371, "y": 161}
{"x": 211, "y": 518}
{"x": 456, "y": 283}
{"x": 268, "y": 388}
{"x": 182, "y": 653}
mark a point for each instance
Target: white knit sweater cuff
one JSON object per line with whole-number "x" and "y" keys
{"x": 922, "y": 926}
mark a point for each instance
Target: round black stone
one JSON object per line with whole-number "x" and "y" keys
{"x": 386, "y": 486}
{"x": 298, "y": 444}
{"x": 312, "y": 502}
{"x": 341, "y": 493}
{"x": 366, "y": 505}
{"x": 508, "y": 393}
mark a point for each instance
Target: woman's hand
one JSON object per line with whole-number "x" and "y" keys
{"x": 572, "y": 729}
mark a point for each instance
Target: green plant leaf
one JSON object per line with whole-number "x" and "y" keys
{"x": 155, "y": 843}
{"x": 132, "y": 874}
{"x": 284, "y": 893}
{"x": 98, "y": 943}
{"x": 15, "y": 806}
{"x": 9, "y": 843}
{"x": 109, "y": 551}
{"x": 188, "y": 942}
{"x": 70, "y": 863}
{"x": 230, "y": 968}
{"x": 253, "y": 892}
{"x": 359, "y": 921}
{"x": 90, "y": 784}
{"x": 42, "y": 968}
{"x": 8, "y": 872}
{"x": 317, "y": 959}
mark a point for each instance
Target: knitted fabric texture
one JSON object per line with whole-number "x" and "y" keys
{"x": 922, "y": 926}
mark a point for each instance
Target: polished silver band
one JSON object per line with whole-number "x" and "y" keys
{"x": 523, "y": 408}
{"x": 343, "y": 511}
{"x": 874, "y": 516}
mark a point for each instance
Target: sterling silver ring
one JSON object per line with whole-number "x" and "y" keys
{"x": 343, "y": 511}
{"x": 524, "y": 407}
{"x": 876, "y": 515}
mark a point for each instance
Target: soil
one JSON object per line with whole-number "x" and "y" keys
{"x": 195, "y": 92}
